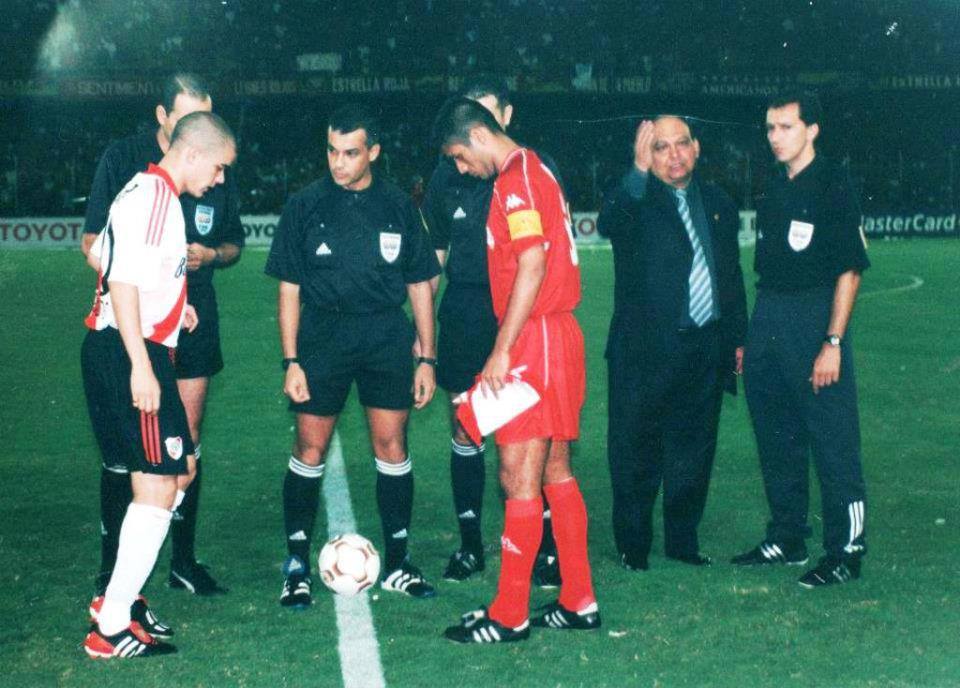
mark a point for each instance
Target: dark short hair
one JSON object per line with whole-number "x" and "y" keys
{"x": 354, "y": 116}
{"x": 203, "y": 129}
{"x": 182, "y": 82}
{"x": 482, "y": 85}
{"x": 457, "y": 117}
{"x": 808, "y": 102}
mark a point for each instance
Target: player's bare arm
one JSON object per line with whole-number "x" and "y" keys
{"x": 424, "y": 377}
{"x": 531, "y": 269}
{"x": 223, "y": 255}
{"x": 86, "y": 243}
{"x": 144, "y": 387}
{"x": 826, "y": 367}
{"x": 190, "y": 318}
{"x": 288, "y": 310}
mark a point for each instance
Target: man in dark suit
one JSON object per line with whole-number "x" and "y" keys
{"x": 676, "y": 339}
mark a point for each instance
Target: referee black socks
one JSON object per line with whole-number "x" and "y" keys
{"x": 115, "y": 497}
{"x": 467, "y": 476}
{"x": 301, "y": 496}
{"x": 395, "y": 501}
{"x": 183, "y": 527}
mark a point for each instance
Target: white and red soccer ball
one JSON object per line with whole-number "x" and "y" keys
{"x": 349, "y": 564}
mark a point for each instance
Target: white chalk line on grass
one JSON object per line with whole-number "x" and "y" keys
{"x": 358, "y": 647}
{"x": 915, "y": 283}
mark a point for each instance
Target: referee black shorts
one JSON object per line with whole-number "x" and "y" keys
{"x": 468, "y": 330}
{"x": 373, "y": 349}
{"x": 198, "y": 352}
{"x": 157, "y": 444}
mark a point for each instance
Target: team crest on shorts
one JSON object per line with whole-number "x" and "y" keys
{"x": 174, "y": 447}
{"x": 390, "y": 246}
{"x": 800, "y": 235}
{"x": 203, "y": 219}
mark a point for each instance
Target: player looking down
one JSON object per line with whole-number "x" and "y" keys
{"x": 127, "y": 363}
{"x": 535, "y": 285}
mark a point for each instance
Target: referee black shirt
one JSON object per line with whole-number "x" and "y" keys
{"x": 211, "y": 220}
{"x": 808, "y": 229}
{"x": 351, "y": 251}
{"x": 455, "y": 208}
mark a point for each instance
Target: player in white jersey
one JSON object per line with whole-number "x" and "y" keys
{"x": 127, "y": 362}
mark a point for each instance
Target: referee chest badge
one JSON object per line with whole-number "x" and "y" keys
{"x": 800, "y": 235}
{"x": 203, "y": 219}
{"x": 390, "y": 246}
{"x": 174, "y": 447}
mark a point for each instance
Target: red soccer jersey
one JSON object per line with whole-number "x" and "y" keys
{"x": 528, "y": 208}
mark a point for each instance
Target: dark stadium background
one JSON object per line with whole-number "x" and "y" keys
{"x": 888, "y": 70}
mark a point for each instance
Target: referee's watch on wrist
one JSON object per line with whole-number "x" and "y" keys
{"x": 287, "y": 361}
{"x": 429, "y": 361}
{"x": 833, "y": 339}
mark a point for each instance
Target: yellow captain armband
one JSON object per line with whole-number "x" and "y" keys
{"x": 524, "y": 223}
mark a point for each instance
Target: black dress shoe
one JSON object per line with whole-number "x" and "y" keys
{"x": 692, "y": 559}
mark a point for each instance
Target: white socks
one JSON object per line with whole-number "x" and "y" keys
{"x": 144, "y": 529}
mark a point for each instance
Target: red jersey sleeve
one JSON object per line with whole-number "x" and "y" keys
{"x": 519, "y": 198}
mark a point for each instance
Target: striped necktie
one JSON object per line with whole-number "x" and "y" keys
{"x": 701, "y": 292}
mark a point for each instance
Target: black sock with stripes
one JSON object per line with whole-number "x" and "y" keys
{"x": 301, "y": 496}
{"x": 115, "y": 497}
{"x": 467, "y": 475}
{"x": 183, "y": 530}
{"x": 395, "y": 501}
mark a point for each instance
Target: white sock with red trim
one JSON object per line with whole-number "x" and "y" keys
{"x": 141, "y": 536}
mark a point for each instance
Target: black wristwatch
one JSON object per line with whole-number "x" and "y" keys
{"x": 287, "y": 361}
{"x": 833, "y": 339}
{"x": 428, "y": 361}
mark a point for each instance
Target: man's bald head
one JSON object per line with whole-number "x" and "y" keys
{"x": 675, "y": 151}
{"x": 203, "y": 130}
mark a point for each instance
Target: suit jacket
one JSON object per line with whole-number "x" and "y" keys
{"x": 652, "y": 258}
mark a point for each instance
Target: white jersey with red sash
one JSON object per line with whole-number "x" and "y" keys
{"x": 144, "y": 244}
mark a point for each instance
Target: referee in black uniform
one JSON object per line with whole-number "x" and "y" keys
{"x": 798, "y": 365}
{"x": 349, "y": 249}
{"x": 456, "y": 208}
{"x": 215, "y": 238}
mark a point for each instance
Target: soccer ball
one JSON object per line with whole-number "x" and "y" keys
{"x": 348, "y": 564}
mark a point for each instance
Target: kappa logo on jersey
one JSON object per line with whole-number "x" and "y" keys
{"x": 324, "y": 250}
{"x": 203, "y": 219}
{"x": 174, "y": 447}
{"x": 514, "y": 201}
{"x": 459, "y": 213}
{"x": 390, "y": 246}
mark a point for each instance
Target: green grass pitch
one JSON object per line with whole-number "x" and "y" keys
{"x": 671, "y": 626}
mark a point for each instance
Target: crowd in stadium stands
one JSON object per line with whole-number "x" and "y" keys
{"x": 539, "y": 41}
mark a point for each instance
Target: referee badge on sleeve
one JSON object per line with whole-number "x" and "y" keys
{"x": 390, "y": 246}
{"x": 203, "y": 219}
{"x": 800, "y": 235}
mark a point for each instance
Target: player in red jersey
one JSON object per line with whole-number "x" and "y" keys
{"x": 127, "y": 363}
{"x": 535, "y": 285}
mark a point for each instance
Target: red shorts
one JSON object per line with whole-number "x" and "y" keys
{"x": 551, "y": 346}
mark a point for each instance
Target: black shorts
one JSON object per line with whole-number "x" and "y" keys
{"x": 373, "y": 349}
{"x": 157, "y": 444}
{"x": 198, "y": 352}
{"x": 468, "y": 330}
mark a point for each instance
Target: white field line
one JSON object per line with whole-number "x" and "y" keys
{"x": 915, "y": 283}
{"x": 358, "y": 647}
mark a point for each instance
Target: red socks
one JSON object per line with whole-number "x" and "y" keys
{"x": 522, "y": 530}
{"x": 569, "y": 515}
